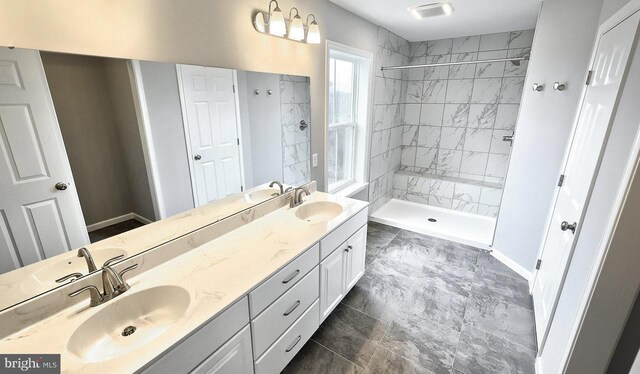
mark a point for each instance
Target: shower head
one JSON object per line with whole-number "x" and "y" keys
{"x": 515, "y": 62}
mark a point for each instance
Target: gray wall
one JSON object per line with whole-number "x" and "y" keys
{"x": 544, "y": 125}
{"x": 263, "y": 120}
{"x": 166, "y": 30}
{"x": 129, "y": 135}
{"x": 609, "y": 7}
{"x": 162, "y": 96}
{"x": 82, "y": 101}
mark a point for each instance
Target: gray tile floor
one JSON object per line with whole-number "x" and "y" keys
{"x": 426, "y": 305}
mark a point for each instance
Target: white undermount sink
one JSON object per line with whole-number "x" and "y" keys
{"x": 128, "y": 323}
{"x": 318, "y": 211}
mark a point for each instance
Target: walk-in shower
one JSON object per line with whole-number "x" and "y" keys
{"x": 457, "y": 106}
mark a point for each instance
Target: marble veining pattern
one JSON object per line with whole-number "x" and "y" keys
{"x": 454, "y": 116}
{"x": 426, "y": 305}
{"x": 396, "y": 96}
{"x": 295, "y": 105}
{"x": 216, "y": 274}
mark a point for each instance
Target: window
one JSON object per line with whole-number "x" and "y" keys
{"x": 347, "y": 88}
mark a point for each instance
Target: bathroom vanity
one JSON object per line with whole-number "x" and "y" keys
{"x": 244, "y": 302}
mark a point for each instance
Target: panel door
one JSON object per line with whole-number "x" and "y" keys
{"x": 332, "y": 282}
{"x": 582, "y": 162}
{"x": 357, "y": 247}
{"x": 210, "y": 114}
{"x": 37, "y": 220}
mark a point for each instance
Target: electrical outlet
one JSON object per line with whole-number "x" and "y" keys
{"x": 314, "y": 159}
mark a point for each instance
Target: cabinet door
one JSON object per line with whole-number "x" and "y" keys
{"x": 355, "y": 256}
{"x": 234, "y": 357}
{"x": 331, "y": 282}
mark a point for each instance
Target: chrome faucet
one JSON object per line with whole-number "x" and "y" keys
{"x": 113, "y": 284}
{"x": 279, "y": 185}
{"x": 296, "y": 199}
{"x": 83, "y": 252}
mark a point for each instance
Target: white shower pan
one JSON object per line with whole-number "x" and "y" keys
{"x": 461, "y": 227}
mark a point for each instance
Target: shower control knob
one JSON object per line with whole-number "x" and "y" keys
{"x": 538, "y": 87}
{"x": 61, "y": 186}
{"x": 564, "y": 226}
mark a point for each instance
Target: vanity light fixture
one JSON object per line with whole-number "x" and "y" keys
{"x": 274, "y": 23}
{"x": 313, "y": 31}
{"x": 276, "y": 20}
{"x": 296, "y": 28}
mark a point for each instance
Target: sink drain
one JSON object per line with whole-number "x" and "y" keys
{"x": 128, "y": 330}
{"x": 432, "y": 220}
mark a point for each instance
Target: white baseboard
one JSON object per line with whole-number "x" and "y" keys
{"x": 115, "y": 220}
{"x": 141, "y": 219}
{"x": 526, "y": 274}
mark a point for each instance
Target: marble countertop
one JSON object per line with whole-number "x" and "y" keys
{"x": 215, "y": 275}
{"x": 33, "y": 279}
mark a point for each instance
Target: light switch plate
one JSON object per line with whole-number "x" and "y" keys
{"x": 314, "y": 160}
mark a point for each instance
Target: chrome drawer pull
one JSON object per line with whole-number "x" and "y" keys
{"x": 293, "y": 307}
{"x": 294, "y": 344}
{"x": 290, "y": 278}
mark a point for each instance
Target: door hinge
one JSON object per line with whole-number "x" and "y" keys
{"x": 241, "y": 188}
{"x": 238, "y": 141}
{"x": 234, "y": 88}
{"x": 589, "y": 75}
{"x": 561, "y": 181}
{"x": 538, "y": 264}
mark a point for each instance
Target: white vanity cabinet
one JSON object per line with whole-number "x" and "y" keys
{"x": 234, "y": 357}
{"x": 222, "y": 345}
{"x": 263, "y": 331}
{"x": 341, "y": 270}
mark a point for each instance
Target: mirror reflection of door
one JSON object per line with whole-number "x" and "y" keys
{"x": 208, "y": 97}
{"x": 40, "y": 214}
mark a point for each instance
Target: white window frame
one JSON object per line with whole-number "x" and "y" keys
{"x": 363, "y": 95}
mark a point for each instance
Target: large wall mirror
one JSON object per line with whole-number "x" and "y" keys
{"x": 93, "y": 147}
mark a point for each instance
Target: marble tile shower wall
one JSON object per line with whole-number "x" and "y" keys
{"x": 295, "y": 105}
{"x": 388, "y": 113}
{"x": 455, "y": 116}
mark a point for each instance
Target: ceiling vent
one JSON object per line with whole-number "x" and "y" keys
{"x": 432, "y": 10}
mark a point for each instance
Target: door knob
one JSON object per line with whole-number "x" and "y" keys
{"x": 559, "y": 86}
{"x": 564, "y": 226}
{"x": 61, "y": 186}
{"x": 197, "y": 157}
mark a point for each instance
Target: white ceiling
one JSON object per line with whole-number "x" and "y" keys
{"x": 470, "y": 17}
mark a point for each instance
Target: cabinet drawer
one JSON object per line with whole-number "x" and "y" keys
{"x": 190, "y": 352}
{"x": 338, "y": 236}
{"x": 284, "y": 312}
{"x": 283, "y": 280}
{"x": 290, "y": 343}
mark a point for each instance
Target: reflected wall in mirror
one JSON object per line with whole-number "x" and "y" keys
{"x": 93, "y": 147}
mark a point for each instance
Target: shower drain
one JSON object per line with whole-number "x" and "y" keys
{"x": 432, "y": 220}
{"x": 128, "y": 330}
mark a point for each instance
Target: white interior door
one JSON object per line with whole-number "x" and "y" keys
{"x": 209, "y": 102}
{"x": 582, "y": 161}
{"x": 36, "y": 219}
